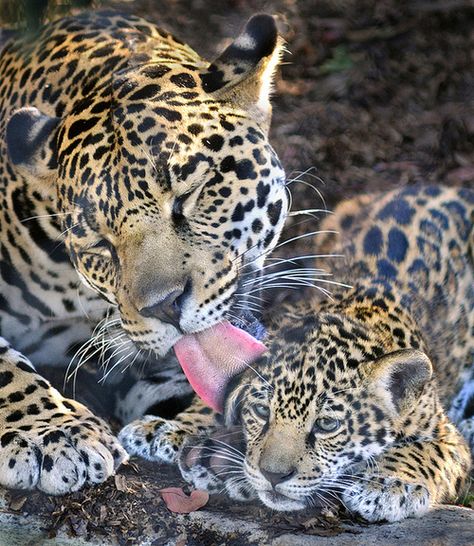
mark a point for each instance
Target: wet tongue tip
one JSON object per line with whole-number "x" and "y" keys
{"x": 212, "y": 357}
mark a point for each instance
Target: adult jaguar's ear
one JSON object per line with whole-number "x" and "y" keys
{"x": 402, "y": 375}
{"x": 243, "y": 73}
{"x": 31, "y": 142}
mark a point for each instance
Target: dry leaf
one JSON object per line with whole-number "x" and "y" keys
{"x": 120, "y": 483}
{"x": 177, "y": 501}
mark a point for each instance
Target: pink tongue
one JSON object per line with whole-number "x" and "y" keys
{"x": 212, "y": 357}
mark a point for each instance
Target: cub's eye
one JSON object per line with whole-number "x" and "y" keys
{"x": 262, "y": 411}
{"x": 326, "y": 424}
{"x": 178, "y": 204}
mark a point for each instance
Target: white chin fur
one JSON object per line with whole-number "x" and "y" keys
{"x": 280, "y": 503}
{"x": 160, "y": 342}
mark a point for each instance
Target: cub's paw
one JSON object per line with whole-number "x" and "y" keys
{"x": 154, "y": 438}
{"x": 59, "y": 451}
{"x": 199, "y": 465}
{"x": 385, "y": 499}
{"x": 215, "y": 462}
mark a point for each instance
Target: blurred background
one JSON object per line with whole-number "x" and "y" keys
{"x": 371, "y": 94}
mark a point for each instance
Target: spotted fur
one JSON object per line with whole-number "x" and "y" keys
{"x": 349, "y": 405}
{"x": 130, "y": 163}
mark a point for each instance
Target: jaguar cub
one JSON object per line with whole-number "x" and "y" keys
{"x": 349, "y": 403}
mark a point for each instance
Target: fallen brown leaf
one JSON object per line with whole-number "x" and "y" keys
{"x": 121, "y": 483}
{"x": 177, "y": 501}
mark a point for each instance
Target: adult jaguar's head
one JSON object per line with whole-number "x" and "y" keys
{"x": 325, "y": 400}
{"x": 170, "y": 189}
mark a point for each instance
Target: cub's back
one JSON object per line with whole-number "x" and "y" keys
{"x": 419, "y": 243}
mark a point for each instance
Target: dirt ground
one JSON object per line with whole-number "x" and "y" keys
{"x": 371, "y": 95}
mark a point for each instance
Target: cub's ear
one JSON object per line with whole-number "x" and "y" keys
{"x": 31, "y": 141}
{"x": 402, "y": 376}
{"x": 243, "y": 74}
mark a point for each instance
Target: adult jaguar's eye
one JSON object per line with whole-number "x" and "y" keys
{"x": 102, "y": 247}
{"x": 178, "y": 204}
{"x": 102, "y": 243}
{"x": 326, "y": 424}
{"x": 261, "y": 410}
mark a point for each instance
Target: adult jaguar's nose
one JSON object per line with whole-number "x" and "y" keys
{"x": 168, "y": 309}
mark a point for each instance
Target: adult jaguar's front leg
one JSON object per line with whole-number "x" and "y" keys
{"x": 47, "y": 441}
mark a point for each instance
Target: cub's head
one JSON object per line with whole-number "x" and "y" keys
{"x": 171, "y": 193}
{"x": 323, "y": 401}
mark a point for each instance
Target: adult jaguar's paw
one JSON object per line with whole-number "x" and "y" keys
{"x": 58, "y": 452}
{"x": 385, "y": 499}
{"x": 154, "y": 438}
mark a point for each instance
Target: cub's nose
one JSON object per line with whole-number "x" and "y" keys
{"x": 167, "y": 310}
{"x": 278, "y": 477}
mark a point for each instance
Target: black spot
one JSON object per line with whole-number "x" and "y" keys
{"x": 274, "y": 212}
{"x": 146, "y": 124}
{"x": 16, "y": 397}
{"x": 68, "y": 405}
{"x": 236, "y": 141}
{"x": 214, "y": 142}
{"x": 257, "y": 226}
{"x": 146, "y": 92}
{"x": 32, "y": 409}
{"x": 183, "y": 80}
{"x": 238, "y": 214}
{"x": 170, "y": 115}
{"x": 225, "y": 192}
{"x": 48, "y": 463}
{"x": 5, "y": 378}
{"x": 81, "y": 126}
{"x": 262, "y": 193}
{"x": 15, "y": 416}
{"x": 195, "y": 129}
{"x": 53, "y": 437}
{"x": 101, "y": 52}
{"x": 155, "y": 71}
{"x": 7, "y": 438}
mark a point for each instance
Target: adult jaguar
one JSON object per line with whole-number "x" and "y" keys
{"x": 128, "y": 160}
{"x": 346, "y": 405}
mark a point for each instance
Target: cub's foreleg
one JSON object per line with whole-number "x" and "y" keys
{"x": 410, "y": 478}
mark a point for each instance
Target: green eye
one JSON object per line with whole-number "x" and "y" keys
{"x": 262, "y": 411}
{"x": 326, "y": 424}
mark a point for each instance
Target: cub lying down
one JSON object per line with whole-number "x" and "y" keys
{"x": 349, "y": 402}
